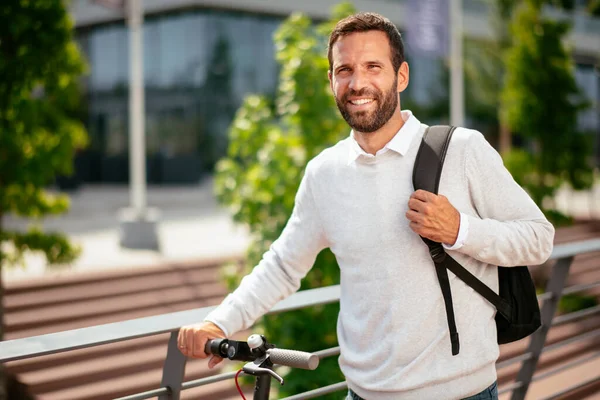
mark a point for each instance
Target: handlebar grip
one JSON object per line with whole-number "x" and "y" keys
{"x": 293, "y": 358}
{"x": 213, "y": 346}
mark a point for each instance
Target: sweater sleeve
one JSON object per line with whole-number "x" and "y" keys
{"x": 509, "y": 229}
{"x": 281, "y": 269}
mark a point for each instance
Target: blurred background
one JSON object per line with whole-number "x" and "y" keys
{"x": 200, "y": 63}
{"x": 136, "y": 184}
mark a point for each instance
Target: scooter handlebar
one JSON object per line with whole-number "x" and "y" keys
{"x": 289, "y": 358}
{"x": 293, "y": 358}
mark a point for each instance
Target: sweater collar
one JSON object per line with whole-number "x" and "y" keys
{"x": 400, "y": 143}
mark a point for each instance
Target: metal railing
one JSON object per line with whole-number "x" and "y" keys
{"x": 174, "y": 366}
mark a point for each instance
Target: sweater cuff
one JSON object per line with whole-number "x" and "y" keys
{"x": 219, "y": 325}
{"x": 463, "y": 233}
{"x": 224, "y": 317}
{"x": 478, "y": 238}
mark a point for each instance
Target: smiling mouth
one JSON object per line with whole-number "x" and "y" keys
{"x": 360, "y": 102}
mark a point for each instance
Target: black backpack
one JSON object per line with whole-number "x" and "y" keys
{"x": 518, "y": 312}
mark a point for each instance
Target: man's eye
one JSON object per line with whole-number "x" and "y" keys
{"x": 373, "y": 66}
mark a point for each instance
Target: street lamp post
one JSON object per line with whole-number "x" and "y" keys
{"x": 435, "y": 30}
{"x": 138, "y": 228}
{"x": 457, "y": 85}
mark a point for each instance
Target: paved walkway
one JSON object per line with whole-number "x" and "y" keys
{"x": 584, "y": 204}
{"x": 192, "y": 226}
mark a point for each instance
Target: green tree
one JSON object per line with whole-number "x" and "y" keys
{"x": 501, "y": 14}
{"x": 269, "y": 147}
{"x": 540, "y": 101}
{"x": 593, "y": 7}
{"x": 39, "y": 67}
{"x": 590, "y": 6}
{"x": 483, "y": 71}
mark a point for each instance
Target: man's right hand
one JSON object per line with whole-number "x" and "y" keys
{"x": 192, "y": 340}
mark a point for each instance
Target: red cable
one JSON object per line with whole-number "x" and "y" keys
{"x": 238, "y": 385}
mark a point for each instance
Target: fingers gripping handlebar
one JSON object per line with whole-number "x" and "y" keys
{"x": 261, "y": 356}
{"x": 255, "y": 349}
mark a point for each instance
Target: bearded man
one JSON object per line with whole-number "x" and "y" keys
{"x": 357, "y": 199}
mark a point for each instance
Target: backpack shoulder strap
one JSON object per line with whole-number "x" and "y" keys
{"x": 430, "y": 157}
{"x": 426, "y": 175}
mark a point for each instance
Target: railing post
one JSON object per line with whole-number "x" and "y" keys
{"x": 173, "y": 369}
{"x": 555, "y": 286}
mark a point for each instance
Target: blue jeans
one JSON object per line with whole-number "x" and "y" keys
{"x": 491, "y": 393}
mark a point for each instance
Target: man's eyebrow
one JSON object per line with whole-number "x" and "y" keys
{"x": 341, "y": 66}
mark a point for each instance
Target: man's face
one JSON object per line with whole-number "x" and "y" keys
{"x": 363, "y": 80}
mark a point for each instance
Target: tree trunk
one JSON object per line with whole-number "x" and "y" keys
{"x": 505, "y": 142}
{"x": 3, "y": 394}
{"x": 504, "y": 10}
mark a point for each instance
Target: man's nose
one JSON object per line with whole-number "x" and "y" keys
{"x": 358, "y": 81}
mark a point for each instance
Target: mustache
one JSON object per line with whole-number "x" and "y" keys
{"x": 360, "y": 93}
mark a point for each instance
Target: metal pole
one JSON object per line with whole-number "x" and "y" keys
{"x": 457, "y": 98}
{"x": 556, "y": 284}
{"x": 137, "y": 150}
{"x": 173, "y": 370}
{"x": 262, "y": 387}
{"x": 138, "y": 223}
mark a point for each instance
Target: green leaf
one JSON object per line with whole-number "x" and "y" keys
{"x": 55, "y": 246}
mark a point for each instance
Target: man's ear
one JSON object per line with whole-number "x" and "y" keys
{"x": 403, "y": 77}
{"x": 329, "y": 76}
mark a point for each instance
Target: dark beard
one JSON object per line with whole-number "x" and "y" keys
{"x": 360, "y": 121}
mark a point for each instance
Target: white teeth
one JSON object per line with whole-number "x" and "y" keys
{"x": 361, "y": 101}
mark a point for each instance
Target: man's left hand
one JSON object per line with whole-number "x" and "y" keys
{"x": 433, "y": 217}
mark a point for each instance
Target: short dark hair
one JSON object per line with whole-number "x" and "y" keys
{"x": 364, "y": 22}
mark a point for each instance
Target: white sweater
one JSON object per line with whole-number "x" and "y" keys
{"x": 392, "y": 326}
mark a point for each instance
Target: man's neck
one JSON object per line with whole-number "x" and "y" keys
{"x": 372, "y": 142}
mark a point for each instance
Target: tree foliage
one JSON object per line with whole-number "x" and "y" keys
{"x": 540, "y": 101}
{"x": 591, "y": 7}
{"x": 483, "y": 70}
{"x": 269, "y": 147}
{"x": 39, "y": 131}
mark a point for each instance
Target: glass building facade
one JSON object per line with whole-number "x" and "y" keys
{"x": 199, "y": 64}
